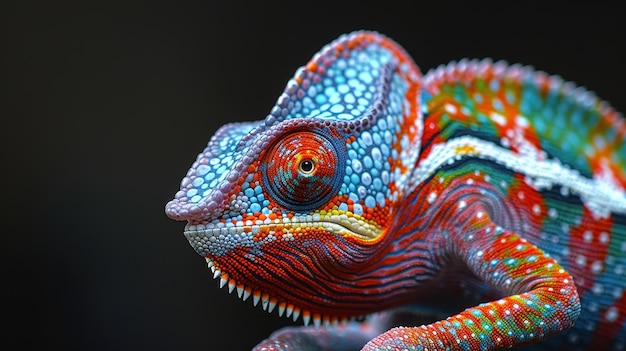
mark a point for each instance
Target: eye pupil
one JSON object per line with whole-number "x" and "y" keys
{"x": 307, "y": 166}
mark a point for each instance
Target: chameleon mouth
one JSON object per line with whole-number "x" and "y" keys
{"x": 338, "y": 224}
{"x": 270, "y": 303}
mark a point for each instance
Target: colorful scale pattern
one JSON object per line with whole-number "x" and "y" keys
{"x": 486, "y": 192}
{"x": 550, "y": 118}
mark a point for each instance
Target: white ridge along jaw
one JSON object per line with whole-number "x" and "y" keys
{"x": 217, "y": 238}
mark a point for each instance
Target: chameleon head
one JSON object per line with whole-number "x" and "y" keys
{"x": 292, "y": 208}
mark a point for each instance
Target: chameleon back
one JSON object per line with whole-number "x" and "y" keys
{"x": 556, "y": 153}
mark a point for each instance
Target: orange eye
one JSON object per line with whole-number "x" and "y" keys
{"x": 303, "y": 170}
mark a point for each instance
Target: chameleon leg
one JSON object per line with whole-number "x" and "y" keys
{"x": 542, "y": 298}
{"x": 351, "y": 336}
{"x": 345, "y": 337}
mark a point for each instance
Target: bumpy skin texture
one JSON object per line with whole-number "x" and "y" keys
{"x": 480, "y": 206}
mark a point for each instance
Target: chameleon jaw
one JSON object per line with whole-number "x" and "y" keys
{"x": 270, "y": 303}
{"x": 217, "y": 239}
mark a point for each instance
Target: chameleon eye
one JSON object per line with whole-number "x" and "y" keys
{"x": 303, "y": 170}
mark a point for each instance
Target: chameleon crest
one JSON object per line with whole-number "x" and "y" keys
{"x": 370, "y": 188}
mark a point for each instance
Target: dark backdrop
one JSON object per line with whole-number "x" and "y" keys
{"x": 104, "y": 106}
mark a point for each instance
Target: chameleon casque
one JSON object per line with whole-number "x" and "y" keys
{"x": 480, "y": 206}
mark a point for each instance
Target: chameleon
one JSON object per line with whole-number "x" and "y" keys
{"x": 479, "y": 206}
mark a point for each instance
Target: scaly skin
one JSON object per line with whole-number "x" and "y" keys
{"x": 481, "y": 206}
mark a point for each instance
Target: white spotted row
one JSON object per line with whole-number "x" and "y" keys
{"x": 600, "y": 196}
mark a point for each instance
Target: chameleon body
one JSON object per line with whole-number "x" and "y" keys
{"x": 480, "y": 206}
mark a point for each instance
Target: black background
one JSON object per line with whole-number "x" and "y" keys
{"x": 105, "y": 106}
